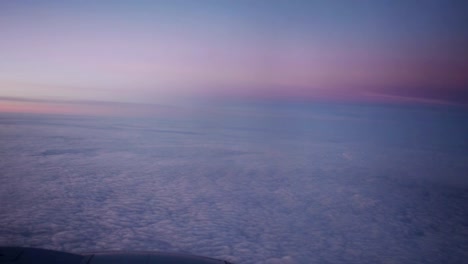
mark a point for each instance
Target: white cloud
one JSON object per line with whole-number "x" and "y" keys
{"x": 251, "y": 196}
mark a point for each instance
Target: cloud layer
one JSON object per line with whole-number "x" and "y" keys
{"x": 296, "y": 185}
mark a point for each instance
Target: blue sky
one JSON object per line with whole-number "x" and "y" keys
{"x": 160, "y": 51}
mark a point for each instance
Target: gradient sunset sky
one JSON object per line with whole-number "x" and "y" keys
{"x": 157, "y": 51}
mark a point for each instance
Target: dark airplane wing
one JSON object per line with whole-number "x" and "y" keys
{"x": 23, "y": 255}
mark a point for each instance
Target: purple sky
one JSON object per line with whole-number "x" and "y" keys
{"x": 159, "y": 51}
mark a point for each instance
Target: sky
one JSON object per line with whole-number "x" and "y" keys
{"x": 162, "y": 51}
{"x": 252, "y": 131}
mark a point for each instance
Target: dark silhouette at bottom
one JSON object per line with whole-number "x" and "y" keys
{"x": 24, "y": 255}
